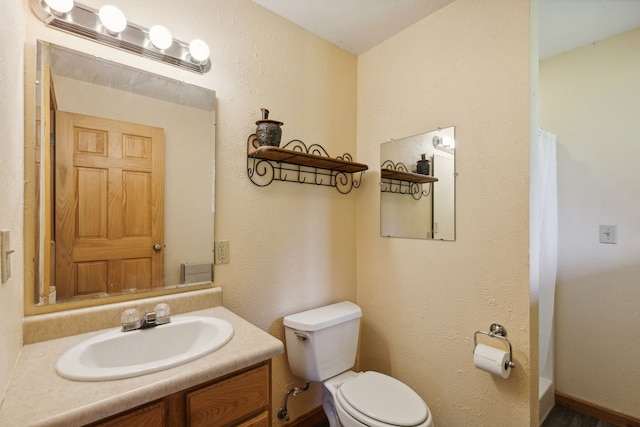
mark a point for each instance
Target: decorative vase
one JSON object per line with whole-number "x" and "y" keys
{"x": 423, "y": 165}
{"x": 268, "y": 131}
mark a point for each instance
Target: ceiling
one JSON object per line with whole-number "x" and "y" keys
{"x": 358, "y": 25}
{"x": 567, "y": 24}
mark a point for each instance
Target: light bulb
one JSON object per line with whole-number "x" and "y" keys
{"x": 112, "y": 19}
{"x": 448, "y": 142}
{"x": 160, "y": 37}
{"x": 199, "y": 51}
{"x": 60, "y": 6}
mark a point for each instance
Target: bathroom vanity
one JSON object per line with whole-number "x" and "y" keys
{"x": 229, "y": 386}
{"x": 241, "y": 398}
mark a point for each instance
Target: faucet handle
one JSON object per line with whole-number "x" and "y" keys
{"x": 130, "y": 319}
{"x": 130, "y": 315}
{"x": 162, "y": 310}
{"x": 163, "y": 313}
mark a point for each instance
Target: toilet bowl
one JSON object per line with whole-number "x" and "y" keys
{"x": 321, "y": 346}
{"x": 375, "y": 400}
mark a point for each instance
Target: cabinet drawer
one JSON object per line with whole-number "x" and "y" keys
{"x": 148, "y": 416}
{"x": 230, "y": 400}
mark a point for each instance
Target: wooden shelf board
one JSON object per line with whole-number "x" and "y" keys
{"x": 407, "y": 176}
{"x": 305, "y": 159}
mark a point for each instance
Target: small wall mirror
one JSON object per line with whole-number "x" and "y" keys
{"x": 417, "y": 188}
{"x": 123, "y": 173}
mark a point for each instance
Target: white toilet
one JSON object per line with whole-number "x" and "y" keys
{"x": 321, "y": 346}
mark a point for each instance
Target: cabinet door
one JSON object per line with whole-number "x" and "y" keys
{"x": 148, "y": 416}
{"x": 261, "y": 420}
{"x": 230, "y": 401}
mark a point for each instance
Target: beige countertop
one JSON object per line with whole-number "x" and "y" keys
{"x": 38, "y": 396}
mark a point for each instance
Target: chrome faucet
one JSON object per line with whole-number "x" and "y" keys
{"x": 132, "y": 321}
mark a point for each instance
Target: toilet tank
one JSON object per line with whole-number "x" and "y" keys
{"x": 322, "y": 343}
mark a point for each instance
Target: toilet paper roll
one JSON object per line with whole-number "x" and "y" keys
{"x": 492, "y": 360}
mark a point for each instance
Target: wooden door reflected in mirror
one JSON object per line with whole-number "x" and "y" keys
{"x": 109, "y": 206}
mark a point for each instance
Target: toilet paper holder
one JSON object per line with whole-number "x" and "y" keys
{"x": 498, "y": 331}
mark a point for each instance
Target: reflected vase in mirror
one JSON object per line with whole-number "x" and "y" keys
{"x": 422, "y": 167}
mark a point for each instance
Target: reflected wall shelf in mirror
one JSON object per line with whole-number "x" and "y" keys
{"x": 396, "y": 178}
{"x": 296, "y": 162}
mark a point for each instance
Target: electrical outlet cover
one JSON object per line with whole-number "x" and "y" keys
{"x": 222, "y": 252}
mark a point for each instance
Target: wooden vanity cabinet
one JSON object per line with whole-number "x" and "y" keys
{"x": 242, "y": 398}
{"x": 150, "y": 415}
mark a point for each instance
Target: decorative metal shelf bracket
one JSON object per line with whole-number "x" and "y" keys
{"x": 401, "y": 186}
{"x": 295, "y": 162}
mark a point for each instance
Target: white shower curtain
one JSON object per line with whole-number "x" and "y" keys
{"x": 543, "y": 229}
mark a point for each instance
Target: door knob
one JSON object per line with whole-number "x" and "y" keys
{"x": 157, "y": 247}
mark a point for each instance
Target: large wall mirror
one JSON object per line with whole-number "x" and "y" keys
{"x": 123, "y": 169}
{"x": 417, "y": 188}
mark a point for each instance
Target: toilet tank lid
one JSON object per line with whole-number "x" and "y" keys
{"x": 323, "y": 317}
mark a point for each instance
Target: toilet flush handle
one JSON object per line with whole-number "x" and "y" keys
{"x": 301, "y": 336}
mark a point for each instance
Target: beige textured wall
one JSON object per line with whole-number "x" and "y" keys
{"x": 590, "y": 98}
{"x": 466, "y": 66}
{"x": 11, "y": 161}
{"x": 292, "y": 247}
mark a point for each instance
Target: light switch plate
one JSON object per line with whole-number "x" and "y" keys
{"x": 5, "y": 251}
{"x": 608, "y": 234}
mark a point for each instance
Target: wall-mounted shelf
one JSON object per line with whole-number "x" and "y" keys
{"x": 295, "y": 162}
{"x": 396, "y": 178}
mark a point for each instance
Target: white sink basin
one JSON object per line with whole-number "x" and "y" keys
{"x": 115, "y": 354}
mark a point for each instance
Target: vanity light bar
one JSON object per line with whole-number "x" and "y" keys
{"x": 84, "y": 21}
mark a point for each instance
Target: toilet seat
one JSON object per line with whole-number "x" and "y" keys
{"x": 376, "y": 399}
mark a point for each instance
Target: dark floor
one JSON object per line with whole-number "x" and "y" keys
{"x": 561, "y": 416}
